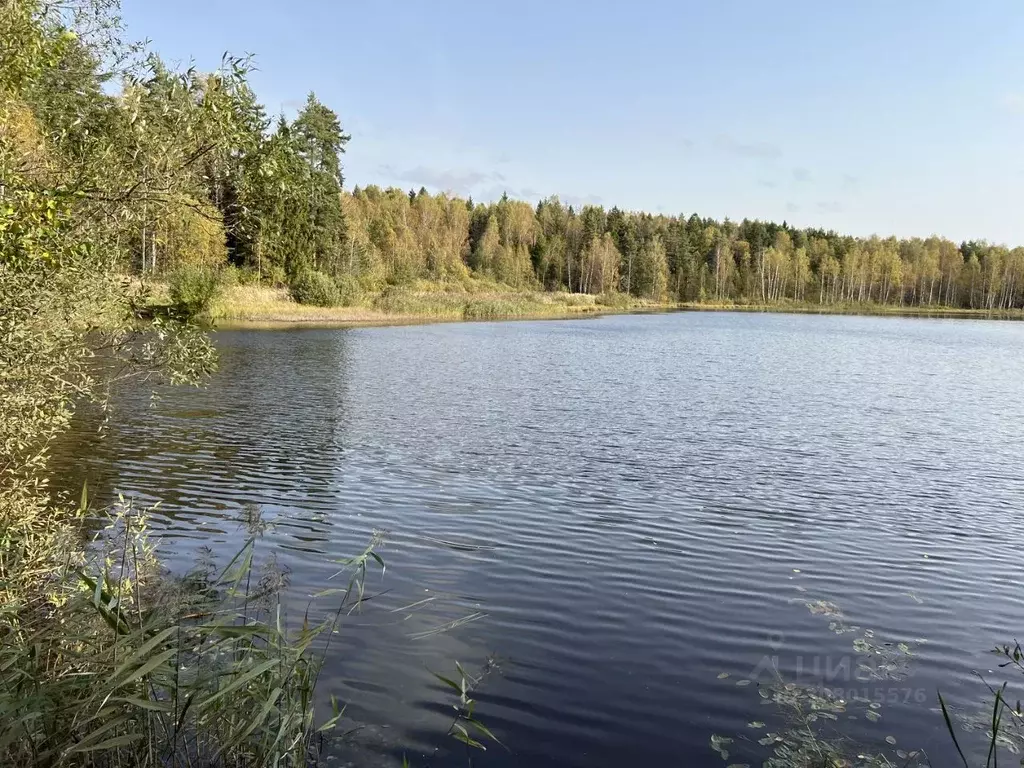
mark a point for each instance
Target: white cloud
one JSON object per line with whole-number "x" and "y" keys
{"x": 462, "y": 182}
{"x": 760, "y": 149}
{"x": 1013, "y": 102}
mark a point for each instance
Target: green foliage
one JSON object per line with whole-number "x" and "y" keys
{"x": 650, "y": 271}
{"x": 87, "y": 179}
{"x": 349, "y": 290}
{"x": 291, "y": 195}
{"x": 465, "y": 726}
{"x": 193, "y": 289}
{"x": 131, "y": 669}
{"x": 277, "y": 277}
{"x": 314, "y": 288}
{"x": 231, "y": 275}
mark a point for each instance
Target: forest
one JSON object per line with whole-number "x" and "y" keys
{"x": 392, "y": 237}
{"x": 267, "y": 195}
{"x": 276, "y": 205}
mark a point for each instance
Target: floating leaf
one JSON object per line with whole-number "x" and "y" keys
{"x": 890, "y": 740}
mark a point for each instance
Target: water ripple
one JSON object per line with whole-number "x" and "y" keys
{"x": 626, "y": 506}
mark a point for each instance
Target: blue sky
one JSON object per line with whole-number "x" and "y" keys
{"x": 893, "y": 117}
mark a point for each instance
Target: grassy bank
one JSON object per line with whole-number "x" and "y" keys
{"x": 258, "y": 305}
{"x": 422, "y": 301}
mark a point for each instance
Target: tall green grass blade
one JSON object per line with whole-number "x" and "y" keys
{"x": 952, "y": 731}
{"x": 111, "y": 743}
{"x": 244, "y": 679}
{"x": 132, "y": 674}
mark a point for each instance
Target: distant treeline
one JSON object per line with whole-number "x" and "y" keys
{"x": 393, "y": 236}
{"x": 296, "y": 216}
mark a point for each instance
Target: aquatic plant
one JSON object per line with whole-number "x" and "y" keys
{"x": 1001, "y": 721}
{"x": 805, "y": 732}
{"x": 127, "y": 666}
{"x": 465, "y": 726}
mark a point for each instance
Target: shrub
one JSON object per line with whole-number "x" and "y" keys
{"x": 314, "y": 288}
{"x": 614, "y": 299}
{"x": 276, "y": 276}
{"x": 232, "y": 275}
{"x": 349, "y": 290}
{"x": 193, "y": 290}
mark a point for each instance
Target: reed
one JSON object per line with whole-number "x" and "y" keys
{"x": 114, "y": 664}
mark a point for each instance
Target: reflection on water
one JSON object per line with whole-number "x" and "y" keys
{"x": 626, "y": 506}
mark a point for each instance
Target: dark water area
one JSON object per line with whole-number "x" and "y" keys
{"x": 617, "y": 509}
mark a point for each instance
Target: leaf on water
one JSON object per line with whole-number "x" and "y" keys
{"x": 824, "y": 608}
{"x": 718, "y": 743}
{"x": 722, "y": 675}
{"x": 742, "y": 683}
{"x": 890, "y": 740}
{"x": 873, "y": 716}
{"x": 755, "y": 724}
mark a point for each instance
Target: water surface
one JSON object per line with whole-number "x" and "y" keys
{"x": 634, "y": 503}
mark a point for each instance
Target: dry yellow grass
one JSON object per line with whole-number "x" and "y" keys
{"x": 263, "y": 306}
{"x": 260, "y": 304}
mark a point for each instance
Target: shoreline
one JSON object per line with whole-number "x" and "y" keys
{"x": 866, "y": 310}
{"x": 263, "y": 308}
{"x": 364, "y": 317}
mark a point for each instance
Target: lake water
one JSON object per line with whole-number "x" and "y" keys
{"x": 623, "y": 508}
